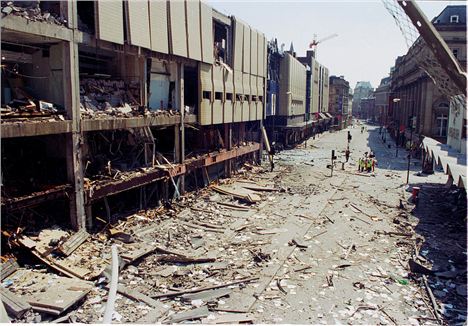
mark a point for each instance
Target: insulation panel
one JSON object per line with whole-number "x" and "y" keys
{"x": 178, "y": 35}
{"x": 110, "y": 21}
{"x": 158, "y": 25}
{"x": 206, "y": 22}
{"x": 193, "y": 29}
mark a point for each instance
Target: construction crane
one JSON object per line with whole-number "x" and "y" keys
{"x": 314, "y": 43}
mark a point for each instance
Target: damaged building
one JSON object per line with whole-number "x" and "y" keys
{"x": 107, "y": 104}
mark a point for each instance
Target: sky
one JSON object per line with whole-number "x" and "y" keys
{"x": 368, "y": 40}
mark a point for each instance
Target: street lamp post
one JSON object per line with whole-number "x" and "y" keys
{"x": 411, "y": 143}
{"x": 396, "y": 100}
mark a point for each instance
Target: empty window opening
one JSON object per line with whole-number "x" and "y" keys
{"x": 86, "y": 15}
{"x": 206, "y": 95}
{"x": 221, "y": 48}
{"x": 454, "y": 19}
{"x": 229, "y": 96}
{"x": 191, "y": 89}
{"x": 218, "y": 96}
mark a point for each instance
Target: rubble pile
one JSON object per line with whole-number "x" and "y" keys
{"x": 25, "y": 105}
{"x": 188, "y": 258}
{"x": 108, "y": 97}
{"x": 102, "y": 98}
{"x": 31, "y": 11}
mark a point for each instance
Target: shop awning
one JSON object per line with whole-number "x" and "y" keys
{"x": 453, "y": 162}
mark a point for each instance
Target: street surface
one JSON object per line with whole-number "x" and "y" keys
{"x": 311, "y": 249}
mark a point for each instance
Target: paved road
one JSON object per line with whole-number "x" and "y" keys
{"x": 343, "y": 285}
{"x": 320, "y": 250}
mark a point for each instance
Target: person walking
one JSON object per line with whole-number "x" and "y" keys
{"x": 349, "y": 136}
{"x": 347, "y": 154}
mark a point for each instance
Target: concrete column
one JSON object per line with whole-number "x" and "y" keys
{"x": 179, "y": 140}
{"x": 71, "y": 97}
{"x": 228, "y": 145}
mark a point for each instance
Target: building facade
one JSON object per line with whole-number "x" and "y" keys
{"x": 362, "y": 90}
{"x": 417, "y": 107}
{"x": 339, "y": 101}
{"x": 382, "y": 97}
{"x": 100, "y": 103}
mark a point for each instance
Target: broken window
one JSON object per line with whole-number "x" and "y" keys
{"x": 222, "y": 50}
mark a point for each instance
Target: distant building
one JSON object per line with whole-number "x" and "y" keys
{"x": 362, "y": 90}
{"x": 317, "y": 95}
{"x": 367, "y": 108}
{"x": 415, "y": 99}
{"x": 339, "y": 100}
{"x": 382, "y": 96}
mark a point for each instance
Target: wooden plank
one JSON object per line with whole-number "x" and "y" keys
{"x": 8, "y": 268}
{"x": 142, "y": 249}
{"x": 15, "y": 306}
{"x": 72, "y": 243}
{"x": 200, "y": 227}
{"x": 140, "y": 297}
{"x": 196, "y": 313}
{"x": 200, "y": 289}
{"x": 243, "y": 194}
{"x": 151, "y": 317}
{"x": 207, "y": 296}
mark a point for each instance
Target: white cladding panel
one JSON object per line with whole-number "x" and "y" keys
{"x": 254, "y": 99}
{"x": 229, "y": 96}
{"x": 239, "y": 91}
{"x": 253, "y": 51}
{"x": 178, "y": 35}
{"x": 138, "y": 24}
{"x": 218, "y": 85}
{"x": 261, "y": 54}
{"x": 110, "y": 21}
{"x": 292, "y": 86}
{"x": 238, "y": 51}
{"x": 247, "y": 100}
{"x": 206, "y": 90}
{"x": 246, "y": 56}
{"x": 261, "y": 98}
{"x": 206, "y": 19}
{"x": 194, "y": 29}
{"x": 158, "y": 24}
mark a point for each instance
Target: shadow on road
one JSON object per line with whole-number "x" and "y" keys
{"x": 441, "y": 214}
